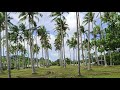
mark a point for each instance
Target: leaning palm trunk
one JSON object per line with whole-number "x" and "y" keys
{"x": 0, "y": 53}
{"x": 7, "y": 48}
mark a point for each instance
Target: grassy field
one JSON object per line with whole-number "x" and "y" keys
{"x": 68, "y": 72}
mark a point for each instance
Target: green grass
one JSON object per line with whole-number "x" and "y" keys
{"x": 68, "y": 72}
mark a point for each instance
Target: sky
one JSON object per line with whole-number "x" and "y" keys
{"x": 47, "y": 22}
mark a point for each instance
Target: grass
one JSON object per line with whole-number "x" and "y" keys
{"x": 68, "y": 72}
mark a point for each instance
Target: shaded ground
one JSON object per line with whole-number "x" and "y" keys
{"x": 68, "y": 72}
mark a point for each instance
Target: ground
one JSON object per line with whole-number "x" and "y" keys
{"x": 68, "y": 72}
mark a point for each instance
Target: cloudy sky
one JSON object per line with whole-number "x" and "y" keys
{"x": 46, "y": 21}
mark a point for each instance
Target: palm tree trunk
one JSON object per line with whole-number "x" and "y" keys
{"x": 76, "y": 56}
{"x": 7, "y": 48}
{"x": 59, "y": 54}
{"x": 31, "y": 49}
{"x": 101, "y": 35}
{"x": 73, "y": 56}
{"x": 3, "y": 46}
{"x": 43, "y": 57}
{"x": 77, "y": 18}
{"x": 0, "y": 53}
{"x": 89, "y": 58}
{"x": 64, "y": 54}
{"x": 96, "y": 58}
{"x": 47, "y": 57}
{"x": 105, "y": 59}
{"x": 70, "y": 56}
{"x": 15, "y": 60}
{"x": 24, "y": 63}
{"x": 110, "y": 59}
{"x": 17, "y": 57}
{"x": 61, "y": 43}
{"x": 28, "y": 55}
{"x": 85, "y": 54}
{"x": 36, "y": 54}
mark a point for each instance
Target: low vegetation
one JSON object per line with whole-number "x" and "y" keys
{"x": 70, "y": 71}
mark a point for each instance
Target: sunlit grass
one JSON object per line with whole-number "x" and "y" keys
{"x": 68, "y": 72}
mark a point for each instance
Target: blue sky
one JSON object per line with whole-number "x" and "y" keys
{"x": 46, "y": 21}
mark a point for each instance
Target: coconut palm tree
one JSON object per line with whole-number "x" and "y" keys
{"x": 61, "y": 26}
{"x": 36, "y": 50}
{"x": 95, "y": 31}
{"x": 30, "y": 15}
{"x": 57, "y": 44}
{"x": 69, "y": 44}
{"x": 87, "y": 19}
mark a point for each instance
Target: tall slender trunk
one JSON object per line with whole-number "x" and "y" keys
{"x": 28, "y": 55}
{"x": 7, "y": 48}
{"x": 43, "y": 57}
{"x": 59, "y": 54}
{"x": 85, "y": 54}
{"x": 77, "y": 17}
{"x": 101, "y": 35}
{"x": 3, "y": 47}
{"x": 64, "y": 54}
{"x": 70, "y": 56}
{"x": 96, "y": 58}
{"x": 105, "y": 59}
{"x": 89, "y": 57}
{"x": 17, "y": 57}
{"x": 74, "y": 56}
{"x": 61, "y": 43}
{"x": 31, "y": 48}
{"x": 110, "y": 59}
{"x": 24, "y": 61}
{"x": 0, "y": 53}
{"x": 81, "y": 44}
{"x": 47, "y": 57}
{"x": 36, "y": 54}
